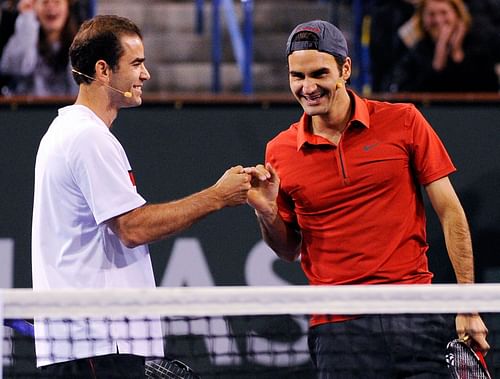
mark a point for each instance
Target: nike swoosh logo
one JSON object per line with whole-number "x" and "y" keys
{"x": 369, "y": 147}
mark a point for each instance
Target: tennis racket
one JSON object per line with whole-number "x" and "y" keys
{"x": 163, "y": 369}
{"x": 465, "y": 363}
{"x": 155, "y": 369}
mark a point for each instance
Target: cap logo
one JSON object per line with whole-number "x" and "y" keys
{"x": 325, "y": 37}
{"x": 309, "y": 29}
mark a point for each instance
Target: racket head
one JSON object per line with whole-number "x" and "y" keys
{"x": 464, "y": 363}
{"x": 166, "y": 369}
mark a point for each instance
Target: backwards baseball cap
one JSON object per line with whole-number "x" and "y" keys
{"x": 329, "y": 39}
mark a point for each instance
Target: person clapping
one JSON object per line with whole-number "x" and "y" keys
{"x": 454, "y": 55}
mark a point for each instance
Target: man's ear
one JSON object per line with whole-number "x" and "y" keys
{"x": 102, "y": 70}
{"x": 346, "y": 69}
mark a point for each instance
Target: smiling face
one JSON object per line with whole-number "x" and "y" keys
{"x": 313, "y": 77}
{"x": 131, "y": 72}
{"x": 436, "y": 15}
{"x": 52, "y": 14}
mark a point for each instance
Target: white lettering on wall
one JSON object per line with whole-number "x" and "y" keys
{"x": 6, "y": 262}
{"x": 259, "y": 267}
{"x": 188, "y": 267}
{"x": 259, "y": 272}
{"x": 6, "y": 281}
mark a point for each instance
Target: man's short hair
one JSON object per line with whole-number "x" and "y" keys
{"x": 99, "y": 38}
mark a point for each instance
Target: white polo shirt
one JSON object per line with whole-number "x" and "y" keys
{"x": 82, "y": 179}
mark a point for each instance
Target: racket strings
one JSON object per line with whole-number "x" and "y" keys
{"x": 167, "y": 370}
{"x": 463, "y": 362}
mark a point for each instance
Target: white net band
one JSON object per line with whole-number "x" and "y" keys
{"x": 246, "y": 332}
{"x": 233, "y": 301}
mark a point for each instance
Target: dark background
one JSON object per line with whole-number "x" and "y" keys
{"x": 176, "y": 151}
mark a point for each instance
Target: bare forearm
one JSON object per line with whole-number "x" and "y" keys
{"x": 284, "y": 240}
{"x": 154, "y": 222}
{"x": 158, "y": 221}
{"x": 459, "y": 245}
{"x": 455, "y": 228}
{"x": 440, "y": 60}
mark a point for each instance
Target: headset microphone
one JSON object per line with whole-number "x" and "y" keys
{"x": 124, "y": 93}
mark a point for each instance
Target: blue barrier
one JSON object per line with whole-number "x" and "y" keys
{"x": 361, "y": 79}
{"x": 242, "y": 44}
{"x": 216, "y": 46}
{"x": 199, "y": 22}
{"x": 91, "y": 8}
{"x": 242, "y": 41}
{"x": 248, "y": 39}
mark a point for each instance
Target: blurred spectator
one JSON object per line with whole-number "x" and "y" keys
{"x": 36, "y": 55}
{"x": 8, "y": 14}
{"x": 392, "y": 33}
{"x": 487, "y": 14}
{"x": 455, "y": 54}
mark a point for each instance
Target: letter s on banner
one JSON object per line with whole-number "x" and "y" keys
{"x": 259, "y": 272}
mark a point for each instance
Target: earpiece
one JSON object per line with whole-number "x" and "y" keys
{"x": 124, "y": 93}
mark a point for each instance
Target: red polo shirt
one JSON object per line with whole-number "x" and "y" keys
{"x": 358, "y": 203}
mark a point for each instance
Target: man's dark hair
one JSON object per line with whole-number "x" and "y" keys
{"x": 99, "y": 38}
{"x": 313, "y": 43}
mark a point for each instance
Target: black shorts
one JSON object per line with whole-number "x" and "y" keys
{"x": 382, "y": 346}
{"x": 111, "y": 366}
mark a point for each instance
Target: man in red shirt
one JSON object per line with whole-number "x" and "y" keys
{"x": 343, "y": 193}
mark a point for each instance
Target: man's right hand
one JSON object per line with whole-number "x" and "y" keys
{"x": 232, "y": 187}
{"x": 472, "y": 325}
{"x": 265, "y": 186}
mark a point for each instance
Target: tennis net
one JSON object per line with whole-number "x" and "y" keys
{"x": 219, "y": 332}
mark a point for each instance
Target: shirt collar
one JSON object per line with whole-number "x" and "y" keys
{"x": 82, "y": 109}
{"x": 360, "y": 116}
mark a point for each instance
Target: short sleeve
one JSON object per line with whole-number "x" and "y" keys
{"x": 102, "y": 172}
{"x": 429, "y": 156}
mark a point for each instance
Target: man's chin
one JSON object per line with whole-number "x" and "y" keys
{"x": 312, "y": 110}
{"x": 132, "y": 103}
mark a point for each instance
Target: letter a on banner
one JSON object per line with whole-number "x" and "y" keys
{"x": 188, "y": 267}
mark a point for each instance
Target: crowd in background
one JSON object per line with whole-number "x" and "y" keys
{"x": 435, "y": 45}
{"x": 34, "y": 44}
{"x": 415, "y": 45}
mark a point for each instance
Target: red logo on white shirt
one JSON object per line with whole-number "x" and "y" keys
{"x": 132, "y": 177}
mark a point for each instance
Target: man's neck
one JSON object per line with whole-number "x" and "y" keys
{"x": 333, "y": 124}
{"x": 97, "y": 100}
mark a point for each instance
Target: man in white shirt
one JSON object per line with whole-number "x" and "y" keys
{"x": 90, "y": 226}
